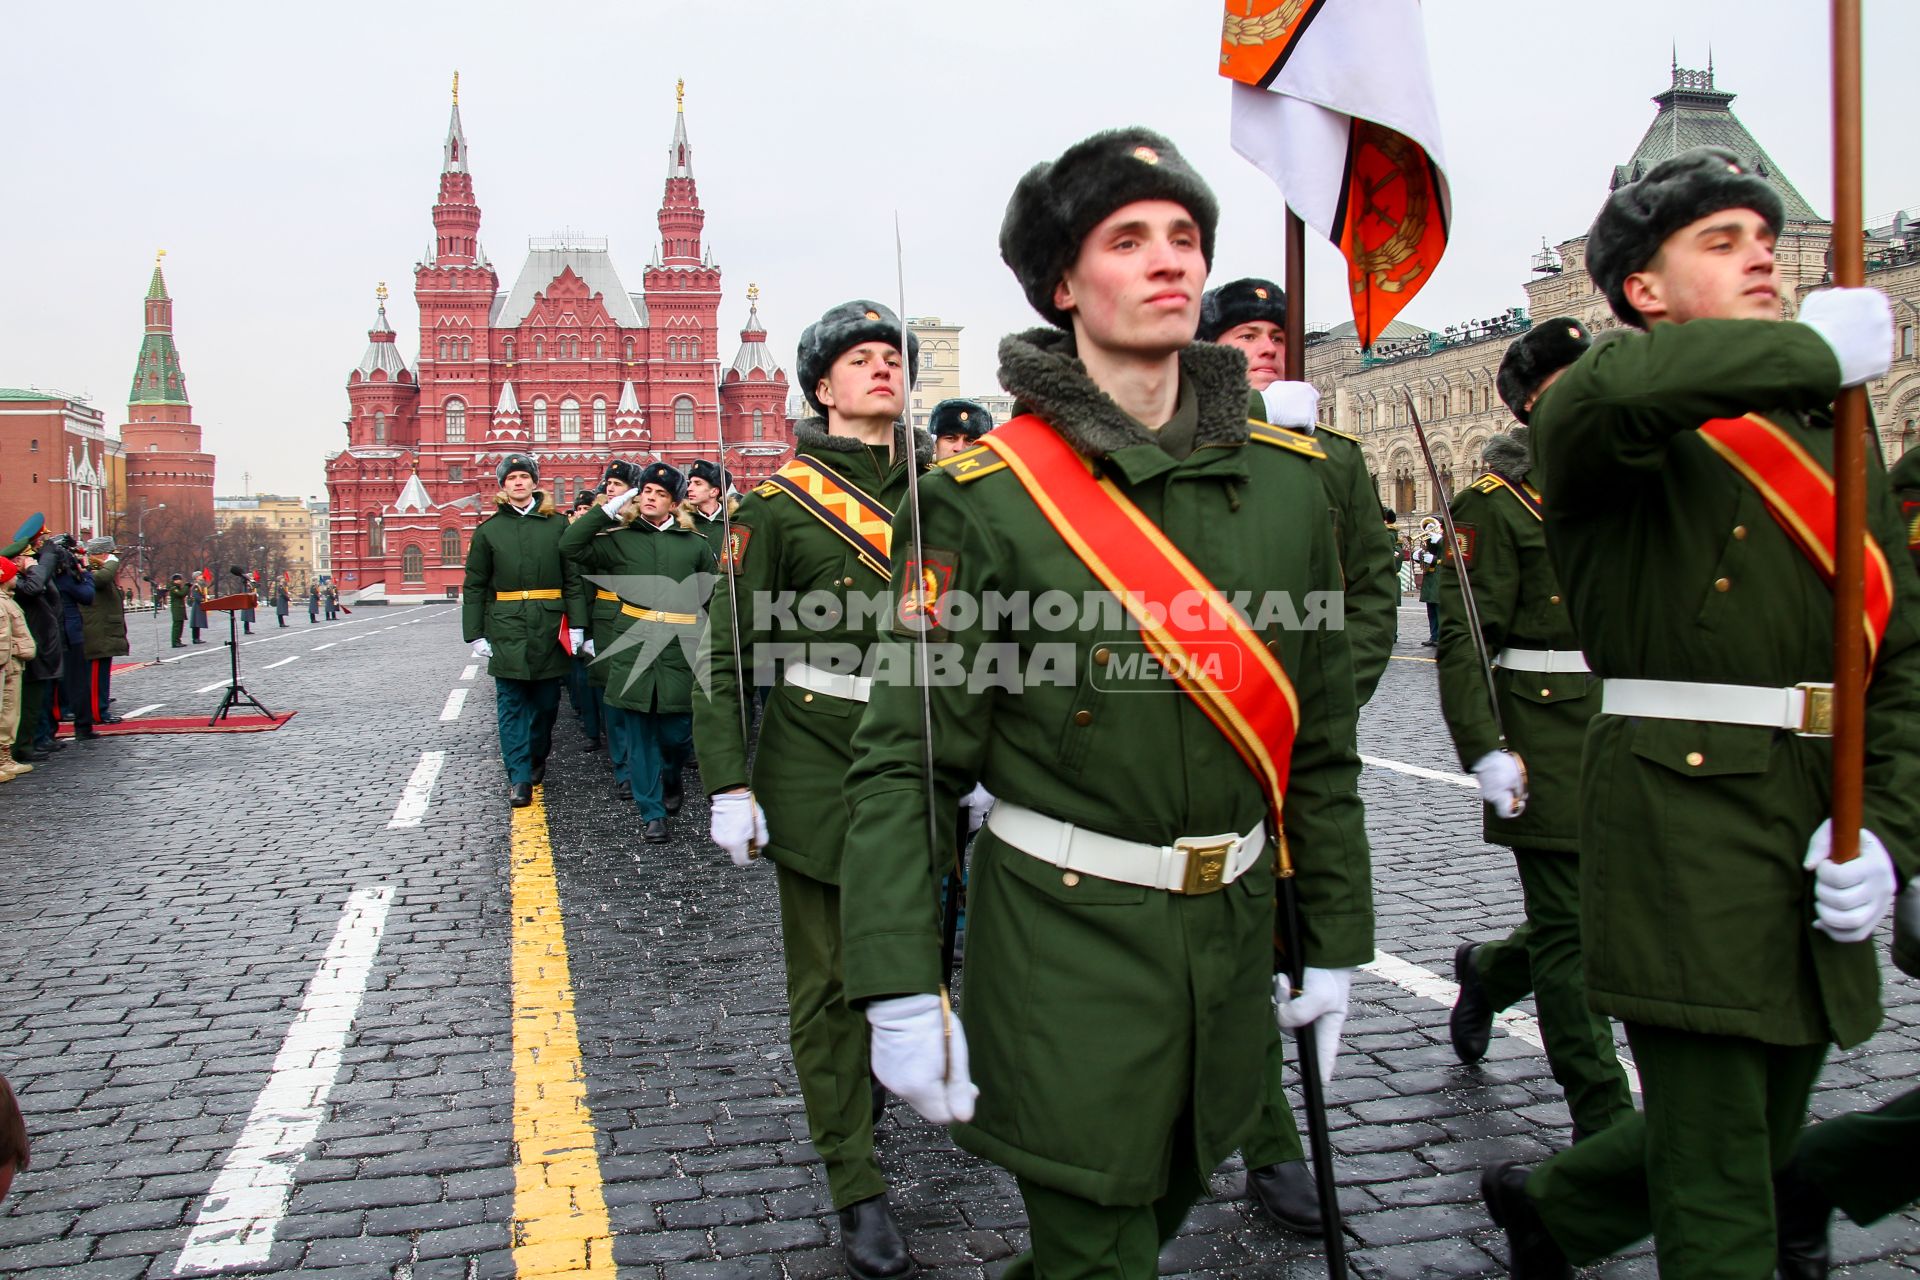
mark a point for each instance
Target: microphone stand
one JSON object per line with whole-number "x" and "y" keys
{"x": 236, "y": 692}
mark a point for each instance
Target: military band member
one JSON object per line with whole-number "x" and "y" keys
{"x": 649, "y": 574}
{"x": 1251, "y": 314}
{"x": 1531, "y": 783}
{"x": 1121, "y": 901}
{"x": 817, "y": 531}
{"x": 519, "y": 591}
{"x": 1714, "y": 924}
{"x": 955, "y": 426}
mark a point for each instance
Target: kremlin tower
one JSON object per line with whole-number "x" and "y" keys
{"x": 162, "y": 443}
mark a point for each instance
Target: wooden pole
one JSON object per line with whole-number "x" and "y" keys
{"x": 1849, "y": 452}
{"x": 1296, "y": 370}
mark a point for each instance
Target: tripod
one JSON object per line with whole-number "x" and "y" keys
{"x": 236, "y": 692}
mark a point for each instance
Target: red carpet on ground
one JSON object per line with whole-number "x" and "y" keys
{"x": 235, "y": 723}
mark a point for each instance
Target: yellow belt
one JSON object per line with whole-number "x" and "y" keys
{"x": 544, "y": 593}
{"x": 648, "y": 615}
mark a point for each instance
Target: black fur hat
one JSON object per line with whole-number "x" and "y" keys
{"x": 668, "y": 478}
{"x": 517, "y": 462}
{"x": 1536, "y": 355}
{"x": 585, "y": 499}
{"x": 1241, "y": 302}
{"x": 842, "y": 328}
{"x": 1637, "y": 219}
{"x": 702, "y": 469}
{"x": 959, "y": 418}
{"x": 1056, "y": 204}
{"x": 623, "y": 471}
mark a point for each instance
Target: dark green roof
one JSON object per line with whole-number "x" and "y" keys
{"x": 18, "y": 393}
{"x": 158, "y": 287}
{"x": 157, "y": 378}
{"x": 1695, "y": 114}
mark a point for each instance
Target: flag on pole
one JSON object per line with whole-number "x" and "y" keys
{"x": 1332, "y": 99}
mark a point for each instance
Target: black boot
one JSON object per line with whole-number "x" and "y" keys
{"x": 670, "y": 791}
{"x": 539, "y": 771}
{"x": 871, "y": 1241}
{"x": 1471, "y": 1023}
{"x": 1287, "y": 1192}
{"x": 520, "y": 794}
{"x": 655, "y": 832}
{"x": 879, "y": 1092}
{"x": 1802, "y": 1215}
{"x": 593, "y": 744}
{"x": 624, "y": 791}
{"x": 1531, "y": 1252}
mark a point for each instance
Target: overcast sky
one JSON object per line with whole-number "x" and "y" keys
{"x": 288, "y": 157}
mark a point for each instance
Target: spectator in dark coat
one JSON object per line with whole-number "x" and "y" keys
{"x": 39, "y": 599}
{"x": 105, "y": 621}
{"x": 76, "y": 687}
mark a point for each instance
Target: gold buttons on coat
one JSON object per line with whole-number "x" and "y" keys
{"x": 847, "y": 581}
{"x": 1739, "y": 533}
{"x": 1695, "y": 759}
{"x": 1553, "y": 599}
{"x": 806, "y": 697}
{"x": 1102, "y": 656}
{"x": 1070, "y": 879}
{"x": 1546, "y": 693}
{"x": 1083, "y": 717}
{"x": 1723, "y": 584}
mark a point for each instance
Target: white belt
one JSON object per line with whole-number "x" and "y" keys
{"x": 1191, "y": 864}
{"x": 1545, "y": 661}
{"x": 834, "y": 685}
{"x": 1806, "y": 709}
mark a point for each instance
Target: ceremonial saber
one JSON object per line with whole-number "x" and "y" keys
{"x": 1849, "y": 454}
{"x": 733, "y": 612}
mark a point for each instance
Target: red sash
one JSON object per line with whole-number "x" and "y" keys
{"x": 1135, "y": 560}
{"x": 1798, "y": 492}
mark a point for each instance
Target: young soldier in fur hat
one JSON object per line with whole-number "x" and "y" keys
{"x": 817, "y": 531}
{"x": 1714, "y": 924}
{"x": 648, "y": 570}
{"x": 517, "y": 594}
{"x": 707, "y": 487}
{"x": 1251, "y": 315}
{"x": 956, "y": 425}
{"x": 1531, "y": 786}
{"x": 1111, "y": 849}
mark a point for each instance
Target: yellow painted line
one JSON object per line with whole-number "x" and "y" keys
{"x": 1407, "y": 657}
{"x": 560, "y": 1225}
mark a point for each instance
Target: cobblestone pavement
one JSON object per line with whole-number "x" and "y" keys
{"x": 170, "y": 901}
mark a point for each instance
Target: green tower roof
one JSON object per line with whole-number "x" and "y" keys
{"x": 157, "y": 378}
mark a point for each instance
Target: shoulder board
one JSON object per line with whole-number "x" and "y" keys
{"x": 1267, "y": 433}
{"x": 1486, "y": 484}
{"x": 766, "y": 489}
{"x": 971, "y": 464}
{"x": 1324, "y": 430}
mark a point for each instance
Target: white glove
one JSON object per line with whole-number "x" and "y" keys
{"x": 481, "y": 649}
{"x": 1292, "y": 404}
{"x": 1503, "y": 783}
{"x": 1323, "y": 1002}
{"x": 739, "y": 825}
{"x": 614, "y": 506}
{"x": 978, "y": 803}
{"x": 1858, "y": 325}
{"x": 588, "y": 647}
{"x": 1849, "y": 897}
{"x": 575, "y": 637}
{"x": 920, "y": 1054}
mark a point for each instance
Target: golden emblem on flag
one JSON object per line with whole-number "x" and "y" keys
{"x": 1388, "y": 177}
{"x": 1257, "y": 35}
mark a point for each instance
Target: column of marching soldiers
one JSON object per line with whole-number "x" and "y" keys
{"x": 1646, "y": 556}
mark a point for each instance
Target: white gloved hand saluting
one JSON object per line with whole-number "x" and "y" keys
{"x": 1503, "y": 782}
{"x": 977, "y": 804}
{"x": 481, "y": 649}
{"x": 1292, "y": 404}
{"x": 739, "y": 825}
{"x": 614, "y": 506}
{"x": 1858, "y": 325}
{"x": 1323, "y": 1002}
{"x": 1849, "y": 897}
{"x": 575, "y": 638}
{"x": 920, "y": 1054}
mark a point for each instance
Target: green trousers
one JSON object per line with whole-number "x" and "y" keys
{"x": 829, "y": 1039}
{"x": 179, "y": 621}
{"x": 1866, "y": 1163}
{"x": 1542, "y": 958}
{"x": 1075, "y": 1239}
{"x": 1696, "y": 1167}
{"x": 33, "y": 705}
{"x": 525, "y": 710}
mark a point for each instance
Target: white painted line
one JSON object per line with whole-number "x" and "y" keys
{"x": 413, "y": 801}
{"x": 283, "y": 662}
{"x": 238, "y": 1218}
{"x": 1414, "y": 980}
{"x": 470, "y": 671}
{"x": 1414, "y": 770}
{"x": 151, "y": 706}
{"x": 209, "y": 688}
{"x": 456, "y": 699}
{"x": 328, "y": 645}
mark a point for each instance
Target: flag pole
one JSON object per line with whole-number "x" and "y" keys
{"x": 1296, "y": 362}
{"x": 1849, "y": 452}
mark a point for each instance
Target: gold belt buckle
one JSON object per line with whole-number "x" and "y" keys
{"x": 1206, "y": 864}
{"x": 1816, "y": 716}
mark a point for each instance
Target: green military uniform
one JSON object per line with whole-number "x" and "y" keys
{"x": 519, "y": 592}
{"x": 104, "y": 626}
{"x": 1696, "y": 912}
{"x": 177, "y": 609}
{"x": 643, "y": 635}
{"x": 782, "y": 555}
{"x": 713, "y": 527}
{"x": 1118, "y": 1033}
{"x": 1523, "y": 613}
{"x": 1905, "y": 479}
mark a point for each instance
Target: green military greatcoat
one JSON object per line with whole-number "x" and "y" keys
{"x": 511, "y": 552}
{"x": 1905, "y": 478}
{"x": 712, "y": 527}
{"x": 1101, "y": 1015}
{"x": 1696, "y": 911}
{"x": 643, "y": 663}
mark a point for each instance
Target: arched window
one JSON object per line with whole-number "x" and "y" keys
{"x": 569, "y": 419}
{"x": 466, "y": 348}
{"x": 599, "y": 347}
{"x": 379, "y": 427}
{"x": 506, "y": 350}
{"x": 413, "y": 565}
{"x": 440, "y": 348}
{"x": 693, "y": 348}
{"x": 759, "y": 426}
{"x": 539, "y": 347}
{"x": 683, "y": 418}
{"x": 456, "y": 421}
{"x": 599, "y": 418}
{"x": 376, "y": 536}
{"x": 629, "y": 350}
{"x": 539, "y": 410}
